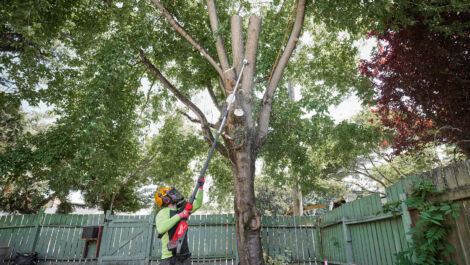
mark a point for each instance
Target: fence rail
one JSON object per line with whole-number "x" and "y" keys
{"x": 354, "y": 233}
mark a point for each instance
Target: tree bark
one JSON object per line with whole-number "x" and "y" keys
{"x": 243, "y": 157}
{"x": 296, "y": 190}
{"x": 247, "y": 219}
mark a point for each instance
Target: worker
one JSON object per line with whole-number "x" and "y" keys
{"x": 175, "y": 210}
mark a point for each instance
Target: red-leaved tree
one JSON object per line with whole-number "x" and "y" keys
{"x": 423, "y": 82}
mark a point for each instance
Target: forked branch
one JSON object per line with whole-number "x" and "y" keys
{"x": 202, "y": 118}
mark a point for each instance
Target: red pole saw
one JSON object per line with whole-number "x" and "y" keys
{"x": 178, "y": 238}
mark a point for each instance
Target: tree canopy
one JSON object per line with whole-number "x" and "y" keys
{"x": 423, "y": 82}
{"x": 82, "y": 59}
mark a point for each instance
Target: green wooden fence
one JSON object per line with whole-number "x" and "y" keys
{"x": 132, "y": 239}
{"x": 354, "y": 233}
{"x": 358, "y": 233}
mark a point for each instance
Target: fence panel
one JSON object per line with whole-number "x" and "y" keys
{"x": 126, "y": 240}
{"x": 18, "y": 232}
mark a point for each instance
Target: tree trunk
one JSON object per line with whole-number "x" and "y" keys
{"x": 296, "y": 191}
{"x": 242, "y": 155}
{"x": 248, "y": 222}
{"x": 297, "y": 200}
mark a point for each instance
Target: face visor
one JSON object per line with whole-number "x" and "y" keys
{"x": 175, "y": 196}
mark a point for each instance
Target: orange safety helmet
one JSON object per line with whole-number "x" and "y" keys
{"x": 160, "y": 195}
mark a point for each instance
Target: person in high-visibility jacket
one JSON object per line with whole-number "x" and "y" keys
{"x": 175, "y": 210}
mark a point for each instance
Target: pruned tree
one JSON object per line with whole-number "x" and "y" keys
{"x": 243, "y": 135}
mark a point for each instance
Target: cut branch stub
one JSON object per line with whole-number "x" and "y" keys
{"x": 238, "y": 51}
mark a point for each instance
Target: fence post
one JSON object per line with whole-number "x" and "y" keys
{"x": 406, "y": 218}
{"x": 151, "y": 233}
{"x": 348, "y": 242}
{"x": 318, "y": 239}
{"x": 104, "y": 237}
{"x": 37, "y": 228}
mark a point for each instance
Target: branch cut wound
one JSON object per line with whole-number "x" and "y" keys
{"x": 255, "y": 223}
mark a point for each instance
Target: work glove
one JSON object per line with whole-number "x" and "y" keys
{"x": 188, "y": 207}
{"x": 200, "y": 182}
{"x": 187, "y": 210}
{"x": 184, "y": 214}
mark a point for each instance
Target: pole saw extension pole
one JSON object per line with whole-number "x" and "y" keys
{"x": 231, "y": 99}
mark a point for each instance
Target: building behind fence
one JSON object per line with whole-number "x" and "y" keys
{"x": 354, "y": 233}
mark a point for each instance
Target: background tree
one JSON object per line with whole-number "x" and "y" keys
{"x": 272, "y": 200}
{"x": 424, "y": 84}
{"x": 11, "y": 123}
{"x": 376, "y": 167}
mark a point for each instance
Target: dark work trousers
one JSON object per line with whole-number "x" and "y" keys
{"x": 176, "y": 261}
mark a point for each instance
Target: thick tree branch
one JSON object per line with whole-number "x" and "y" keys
{"x": 229, "y": 73}
{"x": 221, "y": 84}
{"x": 188, "y": 37}
{"x": 266, "y": 103}
{"x": 238, "y": 51}
{"x": 251, "y": 50}
{"x": 205, "y": 126}
{"x": 219, "y": 45}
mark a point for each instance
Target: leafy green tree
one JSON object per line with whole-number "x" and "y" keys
{"x": 11, "y": 123}
{"x": 20, "y": 190}
{"x": 89, "y": 60}
{"x": 358, "y": 17}
{"x": 309, "y": 149}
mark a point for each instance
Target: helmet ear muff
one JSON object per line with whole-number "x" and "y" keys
{"x": 161, "y": 197}
{"x": 165, "y": 199}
